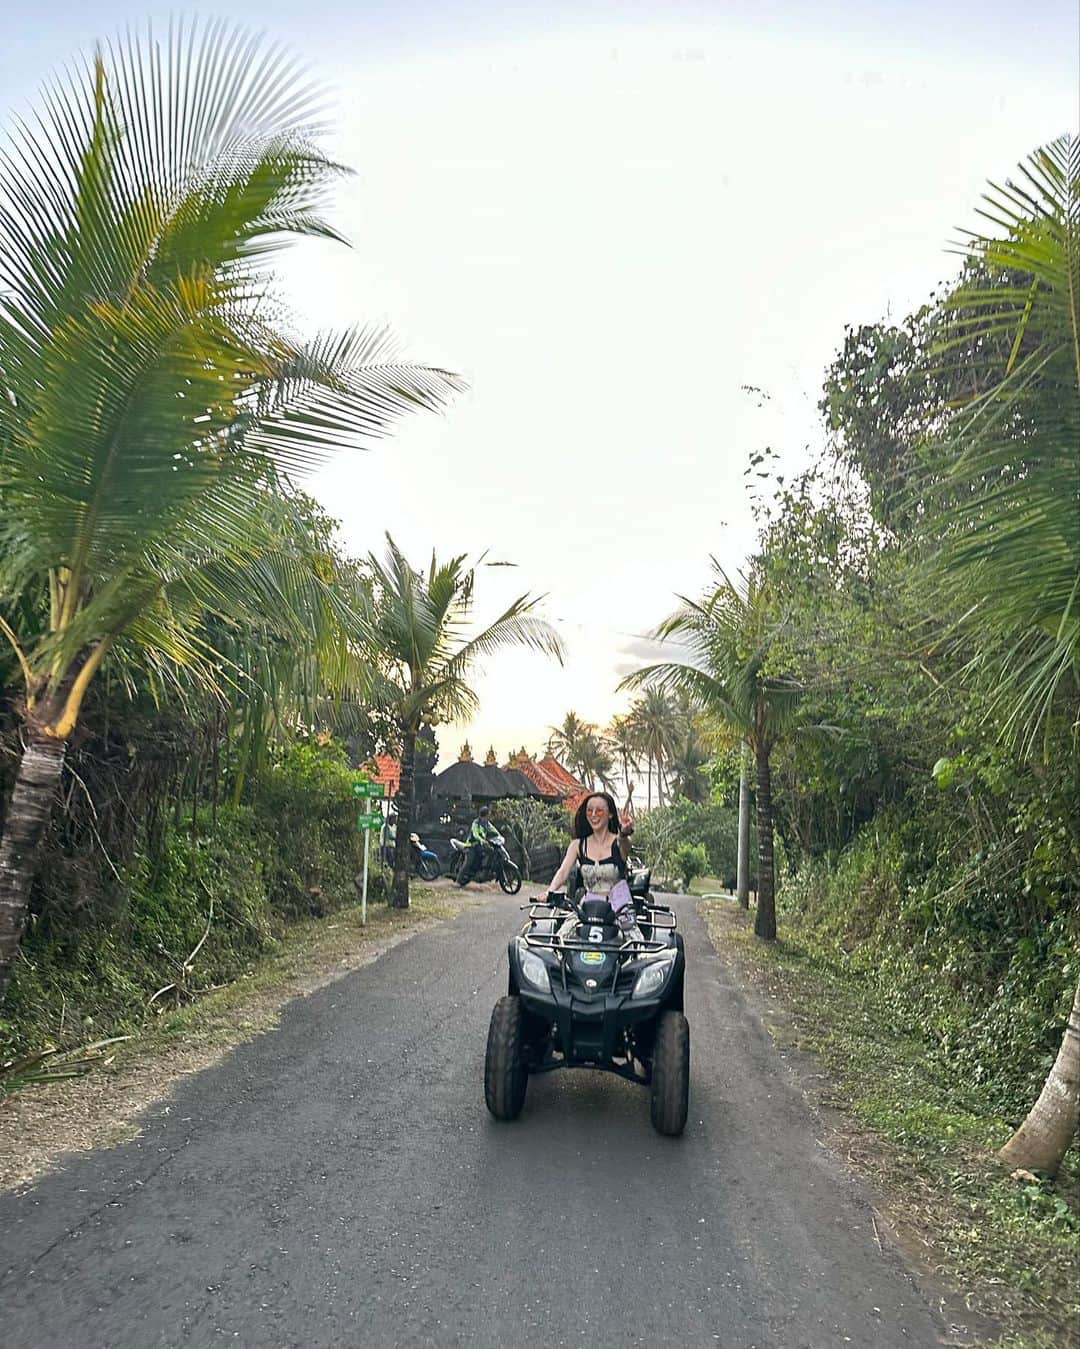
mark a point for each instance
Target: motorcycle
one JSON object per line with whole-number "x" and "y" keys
{"x": 422, "y": 861}
{"x": 495, "y": 864}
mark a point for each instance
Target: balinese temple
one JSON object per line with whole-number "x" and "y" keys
{"x": 466, "y": 783}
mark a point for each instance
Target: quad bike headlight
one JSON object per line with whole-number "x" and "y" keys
{"x": 653, "y": 977}
{"x": 534, "y": 971}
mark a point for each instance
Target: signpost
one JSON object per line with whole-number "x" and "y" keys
{"x": 372, "y": 794}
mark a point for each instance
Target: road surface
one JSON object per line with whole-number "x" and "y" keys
{"x": 338, "y": 1182}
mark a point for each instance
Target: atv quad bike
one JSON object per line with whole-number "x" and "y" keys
{"x": 582, "y": 995}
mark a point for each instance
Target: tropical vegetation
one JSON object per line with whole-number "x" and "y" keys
{"x": 901, "y": 660}
{"x": 425, "y": 645}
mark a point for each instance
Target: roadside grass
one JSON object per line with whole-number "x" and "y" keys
{"x": 44, "y": 1115}
{"x": 1003, "y": 1247}
{"x": 708, "y": 885}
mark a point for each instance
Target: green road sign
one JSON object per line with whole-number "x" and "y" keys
{"x": 365, "y": 788}
{"x": 359, "y": 788}
{"x": 373, "y": 820}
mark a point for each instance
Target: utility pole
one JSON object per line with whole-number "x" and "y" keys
{"x": 742, "y": 882}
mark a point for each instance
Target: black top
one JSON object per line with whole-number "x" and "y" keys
{"x": 614, "y": 856}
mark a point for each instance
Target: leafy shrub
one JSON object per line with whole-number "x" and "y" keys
{"x": 305, "y": 804}
{"x": 661, "y": 831}
{"x": 690, "y": 860}
{"x": 983, "y": 969}
{"x": 90, "y": 969}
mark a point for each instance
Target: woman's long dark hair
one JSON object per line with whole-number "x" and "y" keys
{"x": 582, "y": 827}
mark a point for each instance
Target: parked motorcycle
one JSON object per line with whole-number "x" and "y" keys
{"x": 422, "y": 861}
{"x": 495, "y": 865}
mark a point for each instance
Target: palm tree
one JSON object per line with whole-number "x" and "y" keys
{"x": 624, "y": 747}
{"x": 148, "y": 402}
{"x": 595, "y": 762}
{"x": 1007, "y": 543}
{"x": 565, "y": 741}
{"x": 654, "y": 724}
{"x": 731, "y": 634}
{"x": 687, "y": 765}
{"x": 422, "y": 639}
{"x": 1006, "y": 534}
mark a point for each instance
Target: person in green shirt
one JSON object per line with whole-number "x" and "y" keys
{"x": 480, "y": 831}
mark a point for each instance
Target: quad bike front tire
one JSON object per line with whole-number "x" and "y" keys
{"x": 506, "y": 1072}
{"x": 428, "y": 869}
{"x": 671, "y": 1074}
{"x": 510, "y": 878}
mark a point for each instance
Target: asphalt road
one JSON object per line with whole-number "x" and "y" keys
{"x": 338, "y": 1182}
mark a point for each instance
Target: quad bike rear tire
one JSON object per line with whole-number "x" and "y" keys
{"x": 510, "y": 878}
{"x": 506, "y": 1072}
{"x": 671, "y": 1074}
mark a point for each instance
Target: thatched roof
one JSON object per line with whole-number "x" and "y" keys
{"x": 524, "y": 786}
{"x": 501, "y": 786}
{"x": 466, "y": 778}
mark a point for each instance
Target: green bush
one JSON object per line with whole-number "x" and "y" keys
{"x": 986, "y": 973}
{"x": 661, "y": 831}
{"x": 690, "y": 860}
{"x": 305, "y": 804}
{"x": 90, "y": 963}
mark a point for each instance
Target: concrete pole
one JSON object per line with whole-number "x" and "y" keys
{"x": 742, "y": 884}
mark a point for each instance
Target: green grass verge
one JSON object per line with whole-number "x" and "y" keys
{"x": 708, "y": 885}
{"x": 924, "y": 1138}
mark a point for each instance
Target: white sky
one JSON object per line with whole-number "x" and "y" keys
{"x": 610, "y": 221}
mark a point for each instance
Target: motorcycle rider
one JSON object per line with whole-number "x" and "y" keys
{"x": 480, "y": 831}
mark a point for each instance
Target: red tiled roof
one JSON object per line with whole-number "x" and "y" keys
{"x": 387, "y": 770}
{"x": 554, "y": 768}
{"x": 553, "y": 779}
{"x": 535, "y": 773}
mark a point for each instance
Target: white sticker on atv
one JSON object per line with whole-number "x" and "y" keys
{"x": 596, "y": 934}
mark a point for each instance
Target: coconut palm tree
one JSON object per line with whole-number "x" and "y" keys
{"x": 1006, "y": 534}
{"x": 1007, "y": 543}
{"x": 149, "y": 399}
{"x": 424, "y": 643}
{"x": 595, "y": 762}
{"x": 565, "y": 741}
{"x": 653, "y": 720}
{"x": 624, "y": 747}
{"x": 687, "y": 765}
{"x": 731, "y": 634}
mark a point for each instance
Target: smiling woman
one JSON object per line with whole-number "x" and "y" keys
{"x": 147, "y": 405}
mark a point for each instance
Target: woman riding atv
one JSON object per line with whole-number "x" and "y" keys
{"x": 600, "y": 847}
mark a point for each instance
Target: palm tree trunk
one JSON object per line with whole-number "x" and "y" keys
{"x": 742, "y": 869}
{"x": 649, "y": 779}
{"x": 1043, "y": 1139}
{"x": 20, "y": 848}
{"x": 399, "y": 887}
{"x": 765, "y": 919}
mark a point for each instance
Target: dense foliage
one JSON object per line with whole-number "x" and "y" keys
{"x": 128, "y": 894}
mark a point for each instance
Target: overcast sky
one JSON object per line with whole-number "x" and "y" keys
{"x": 612, "y": 218}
